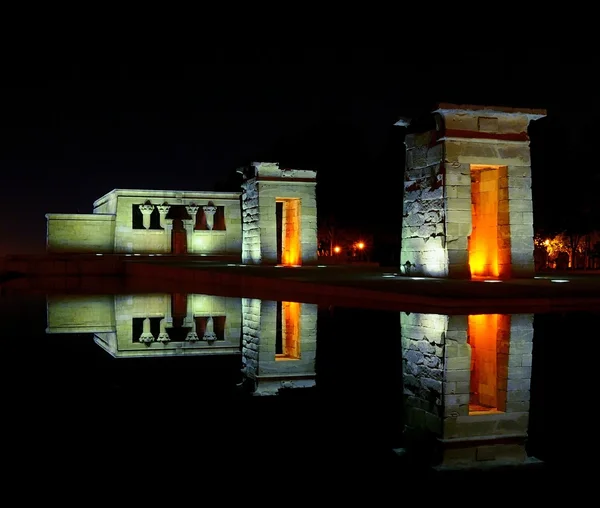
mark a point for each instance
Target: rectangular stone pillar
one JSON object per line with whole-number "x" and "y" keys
{"x": 447, "y": 154}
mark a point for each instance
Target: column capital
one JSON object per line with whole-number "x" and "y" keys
{"x": 209, "y": 209}
{"x": 146, "y": 208}
{"x": 192, "y": 209}
{"x": 163, "y": 209}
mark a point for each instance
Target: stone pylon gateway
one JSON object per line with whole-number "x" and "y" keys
{"x": 279, "y": 215}
{"x": 467, "y": 205}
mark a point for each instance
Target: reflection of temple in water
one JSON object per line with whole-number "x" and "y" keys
{"x": 466, "y": 384}
{"x": 279, "y": 344}
{"x": 276, "y": 341}
{"x": 149, "y": 325}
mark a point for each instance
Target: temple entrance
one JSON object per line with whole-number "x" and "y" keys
{"x": 287, "y": 211}
{"x": 179, "y": 238}
{"x": 489, "y": 335}
{"x": 486, "y": 258}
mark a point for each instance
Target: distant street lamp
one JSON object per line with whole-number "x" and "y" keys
{"x": 360, "y": 245}
{"x": 337, "y": 249}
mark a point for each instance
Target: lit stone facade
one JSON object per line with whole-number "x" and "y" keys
{"x": 201, "y": 223}
{"x": 267, "y": 187}
{"x": 467, "y": 208}
{"x": 467, "y": 386}
{"x": 279, "y": 345}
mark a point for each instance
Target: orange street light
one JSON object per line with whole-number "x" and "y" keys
{"x": 337, "y": 249}
{"x": 360, "y": 245}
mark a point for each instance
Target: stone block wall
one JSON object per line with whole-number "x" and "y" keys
{"x": 423, "y": 248}
{"x": 261, "y": 364}
{"x": 441, "y": 156}
{"x": 83, "y": 233}
{"x": 158, "y": 241}
{"x": 262, "y": 189}
{"x": 437, "y": 373}
{"x": 251, "y": 245}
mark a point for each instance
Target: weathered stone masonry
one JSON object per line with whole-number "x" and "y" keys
{"x": 440, "y": 354}
{"x": 264, "y": 186}
{"x": 467, "y": 207}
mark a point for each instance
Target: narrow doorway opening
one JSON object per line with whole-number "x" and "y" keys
{"x": 288, "y": 235}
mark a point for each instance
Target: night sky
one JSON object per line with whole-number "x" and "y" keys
{"x": 71, "y": 132}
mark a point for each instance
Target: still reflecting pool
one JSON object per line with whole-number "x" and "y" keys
{"x": 451, "y": 391}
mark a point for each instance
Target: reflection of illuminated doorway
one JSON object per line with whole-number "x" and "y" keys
{"x": 287, "y": 338}
{"x": 489, "y": 339}
{"x": 487, "y": 252}
{"x": 288, "y": 231}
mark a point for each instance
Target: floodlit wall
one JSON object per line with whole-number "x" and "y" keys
{"x": 463, "y": 165}
{"x": 84, "y": 233}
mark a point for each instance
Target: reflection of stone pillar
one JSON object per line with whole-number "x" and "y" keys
{"x": 209, "y": 213}
{"x": 466, "y": 386}
{"x": 146, "y": 337}
{"x": 209, "y": 334}
{"x": 163, "y": 210}
{"x": 192, "y": 336}
{"x": 146, "y": 210}
{"x": 163, "y": 336}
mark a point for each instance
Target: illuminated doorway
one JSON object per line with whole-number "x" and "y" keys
{"x": 487, "y": 255}
{"x": 287, "y": 337}
{"x": 489, "y": 336}
{"x": 287, "y": 213}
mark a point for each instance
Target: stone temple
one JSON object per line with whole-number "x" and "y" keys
{"x": 273, "y": 221}
{"x": 467, "y": 206}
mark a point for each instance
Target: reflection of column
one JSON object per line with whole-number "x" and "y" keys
{"x": 209, "y": 334}
{"x": 146, "y": 337}
{"x": 209, "y": 213}
{"x": 146, "y": 210}
{"x": 192, "y": 336}
{"x": 163, "y": 336}
{"x": 265, "y": 369}
{"x": 466, "y": 384}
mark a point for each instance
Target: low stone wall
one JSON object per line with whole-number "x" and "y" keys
{"x": 80, "y": 232}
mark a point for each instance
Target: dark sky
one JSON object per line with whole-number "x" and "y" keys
{"x": 70, "y": 132}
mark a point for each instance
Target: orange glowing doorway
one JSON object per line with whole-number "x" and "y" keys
{"x": 485, "y": 255}
{"x": 288, "y": 231}
{"x": 489, "y": 335}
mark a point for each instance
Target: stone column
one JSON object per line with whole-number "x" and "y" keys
{"x": 146, "y": 210}
{"x": 163, "y": 210}
{"x": 209, "y": 213}
{"x": 166, "y": 224}
{"x": 146, "y": 337}
{"x": 190, "y": 225}
{"x": 163, "y": 336}
{"x": 209, "y": 334}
